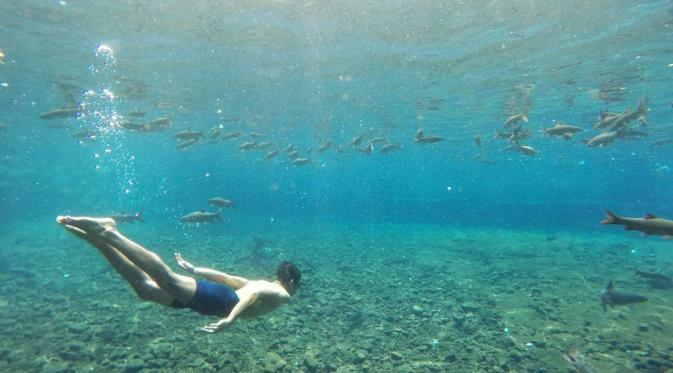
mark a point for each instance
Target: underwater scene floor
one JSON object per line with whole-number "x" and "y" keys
{"x": 374, "y": 298}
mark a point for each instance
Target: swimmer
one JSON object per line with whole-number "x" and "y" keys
{"x": 221, "y": 294}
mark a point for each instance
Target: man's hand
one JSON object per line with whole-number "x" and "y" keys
{"x": 187, "y": 266}
{"x": 216, "y": 326}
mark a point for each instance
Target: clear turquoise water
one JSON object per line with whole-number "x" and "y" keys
{"x": 307, "y": 72}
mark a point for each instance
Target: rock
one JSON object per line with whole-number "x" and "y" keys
{"x": 134, "y": 365}
{"x": 417, "y": 310}
{"x": 161, "y": 349}
{"x": 396, "y": 355}
{"x": 360, "y": 356}
{"x": 538, "y": 343}
{"x": 469, "y": 307}
{"x": 273, "y": 363}
{"x": 56, "y": 367}
{"x": 311, "y": 363}
{"x": 643, "y": 327}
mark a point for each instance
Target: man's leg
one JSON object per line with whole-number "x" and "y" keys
{"x": 141, "y": 283}
{"x": 105, "y": 230}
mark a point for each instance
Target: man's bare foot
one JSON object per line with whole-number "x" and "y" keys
{"x": 87, "y": 226}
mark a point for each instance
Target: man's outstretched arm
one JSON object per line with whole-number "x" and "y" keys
{"x": 236, "y": 282}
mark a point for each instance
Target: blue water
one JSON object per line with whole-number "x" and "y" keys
{"x": 306, "y": 72}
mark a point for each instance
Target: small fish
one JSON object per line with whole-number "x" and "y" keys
{"x": 420, "y": 138}
{"x": 187, "y": 135}
{"x": 388, "y": 148}
{"x": 84, "y": 135}
{"x": 301, "y": 161}
{"x": 574, "y": 358}
{"x": 221, "y": 202}
{"x": 477, "y": 140}
{"x": 215, "y": 133}
{"x": 290, "y": 148}
{"x": 293, "y": 154}
{"x": 324, "y": 147}
{"x": 271, "y": 155}
{"x": 160, "y": 122}
{"x": 201, "y": 217}
{"x": 649, "y": 225}
{"x": 136, "y": 113}
{"x": 133, "y": 126}
{"x": 60, "y": 113}
{"x": 264, "y": 145}
{"x": 356, "y": 141}
{"x": 248, "y": 145}
{"x": 562, "y": 129}
{"x": 367, "y": 150}
{"x": 602, "y": 139}
{"x": 662, "y": 142}
{"x": 254, "y": 135}
{"x": 187, "y": 144}
{"x": 231, "y": 135}
{"x": 514, "y": 119}
{"x": 379, "y": 140}
{"x": 121, "y": 217}
{"x": 527, "y": 150}
{"x": 613, "y": 297}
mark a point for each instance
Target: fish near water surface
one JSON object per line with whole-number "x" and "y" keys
{"x": 60, "y": 113}
{"x": 221, "y": 202}
{"x": 613, "y": 297}
{"x": 649, "y": 225}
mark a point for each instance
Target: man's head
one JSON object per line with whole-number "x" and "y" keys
{"x": 288, "y": 276}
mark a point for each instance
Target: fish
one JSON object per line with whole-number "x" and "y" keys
{"x": 514, "y": 119}
{"x": 420, "y": 138}
{"x": 271, "y": 155}
{"x": 301, "y": 161}
{"x": 527, "y": 150}
{"x": 201, "y": 217}
{"x": 613, "y": 297}
{"x": 221, "y": 202}
{"x": 388, "y": 148}
{"x": 136, "y": 113}
{"x": 574, "y": 358}
{"x": 160, "y": 122}
{"x": 248, "y": 145}
{"x": 254, "y": 135}
{"x": 187, "y": 144}
{"x": 656, "y": 280}
{"x": 290, "y": 148}
{"x": 324, "y": 147}
{"x": 367, "y": 150}
{"x": 356, "y": 141}
{"x": 215, "y": 133}
{"x": 477, "y": 140}
{"x": 231, "y": 135}
{"x": 602, "y": 139}
{"x": 617, "y": 120}
{"x": 120, "y": 217}
{"x": 379, "y": 140}
{"x": 60, "y": 113}
{"x": 629, "y": 133}
{"x": 562, "y": 129}
{"x": 662, "y": 142}
{"x": 264, "y": 145}
{"x": 133, "y": 126}
{"x": 649, "y": 225}
{"x": 84, "y": 135}
{"x": 187, "y": 135}
{"x": 293, "y": 154}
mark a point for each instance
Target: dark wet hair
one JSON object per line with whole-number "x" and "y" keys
{"x": 288, "y": 274}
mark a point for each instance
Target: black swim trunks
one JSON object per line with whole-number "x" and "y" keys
{"x": 210, "y": 299}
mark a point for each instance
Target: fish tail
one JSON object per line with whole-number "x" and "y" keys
{"x": 611, "y": 218}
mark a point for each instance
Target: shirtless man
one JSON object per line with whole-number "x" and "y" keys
{"x": 223, "y": 295}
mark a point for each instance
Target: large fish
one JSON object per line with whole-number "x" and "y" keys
{"x": 514, "y": 119}
{"x": 613, "y": 297}
{"x": 649, "y": 225}
{"x": 201, "y": 217}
